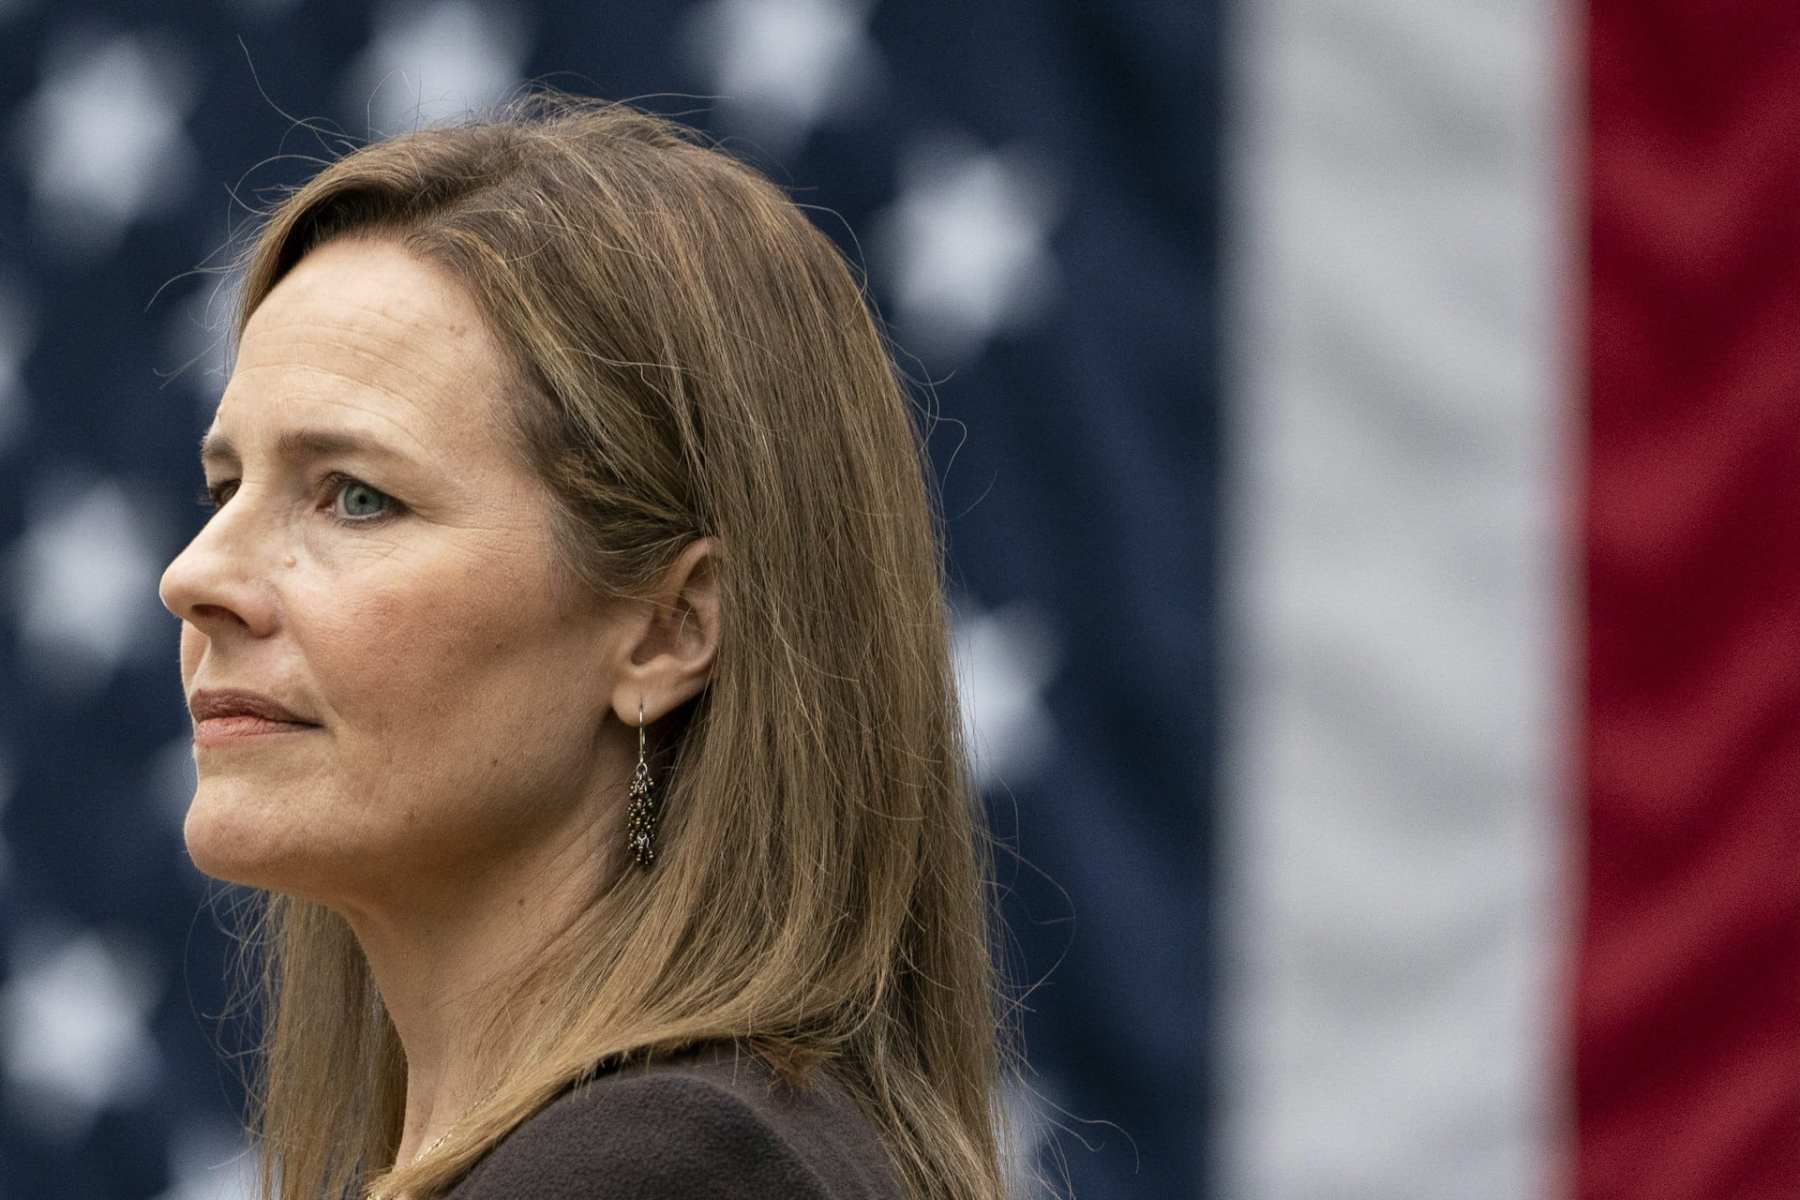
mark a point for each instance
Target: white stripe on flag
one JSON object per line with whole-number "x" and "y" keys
{"x": 1395, "y": 830}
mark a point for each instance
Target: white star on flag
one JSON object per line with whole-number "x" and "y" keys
{"x": 1004, "y": 659}
{"x": 72, "y": 1028}
{"x": 429, "y": 63}
{"x": 1028, "y": 1105}
{"x": 103, "y": 139}
{"x": 84, "y": 584}
{"x": 779, "y": 66}
{"x": 962, "y": 250}
{"x": 210, "y": 1161}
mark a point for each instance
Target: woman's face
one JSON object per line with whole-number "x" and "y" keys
{"x": 381, "y": 566}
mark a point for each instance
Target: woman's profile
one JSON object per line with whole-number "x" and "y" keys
{"x": 569, "y": 661}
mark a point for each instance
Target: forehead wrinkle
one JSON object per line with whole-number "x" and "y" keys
{"x": 335, "y": 397}
{"x": 423, "y": 452}
{"x": 390, "y": 352}
{"x": 383, "y": 307}
{"x": 436, "y": 387}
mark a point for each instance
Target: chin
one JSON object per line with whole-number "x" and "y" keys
{"x": 241, "y": 839}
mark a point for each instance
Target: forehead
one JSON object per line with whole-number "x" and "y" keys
{"x": 362, "y": 335}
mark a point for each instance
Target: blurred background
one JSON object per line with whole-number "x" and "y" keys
{"x": 1369, "y": 440}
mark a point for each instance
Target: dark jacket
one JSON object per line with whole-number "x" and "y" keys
{"x": 709, "y": 1124}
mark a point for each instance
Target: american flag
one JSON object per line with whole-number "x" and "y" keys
{"x": 1370, "y": 450}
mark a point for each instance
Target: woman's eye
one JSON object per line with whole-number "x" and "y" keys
{"x": 355, "y": 502}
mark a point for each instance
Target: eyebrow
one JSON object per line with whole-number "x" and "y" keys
{"x": 297, "y": 445}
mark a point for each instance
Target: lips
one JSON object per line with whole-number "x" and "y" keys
{"x": 208, "y": 704}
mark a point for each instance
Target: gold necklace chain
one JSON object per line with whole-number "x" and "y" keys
{"x": 442, "y": 1138}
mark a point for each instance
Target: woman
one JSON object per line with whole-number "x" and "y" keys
{"x": 568, "y": 659}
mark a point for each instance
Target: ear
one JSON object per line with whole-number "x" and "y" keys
{"x": 666, "y": 650}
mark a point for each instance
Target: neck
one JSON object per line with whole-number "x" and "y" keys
{"x": 443, "y": 965}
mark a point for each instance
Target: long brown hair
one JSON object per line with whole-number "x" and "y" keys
{"x": 692, "y": 358}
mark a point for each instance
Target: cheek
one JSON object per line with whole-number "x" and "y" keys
{"x": 400, "y": 661}
{"x": 193, "y": 645}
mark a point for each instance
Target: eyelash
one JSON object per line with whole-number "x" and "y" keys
{"x": 213, "y": 499}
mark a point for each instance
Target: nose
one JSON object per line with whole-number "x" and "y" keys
{"x": 218, "y": 582}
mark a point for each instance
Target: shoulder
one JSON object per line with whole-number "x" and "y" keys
{"x": 711, "y": 1123}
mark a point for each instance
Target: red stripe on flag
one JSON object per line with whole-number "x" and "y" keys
{"x": 1688, "y": 1010}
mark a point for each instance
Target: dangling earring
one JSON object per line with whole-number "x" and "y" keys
{"x": 640, "y": 814}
